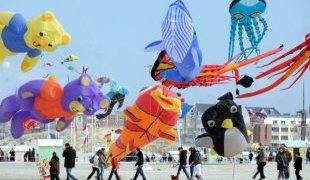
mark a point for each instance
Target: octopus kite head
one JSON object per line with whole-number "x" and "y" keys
{"x": 83, "y": 95}
{"x": 243, "y": 10}
{"x": 246, "y": 14}
{"x": 46, "y": 33}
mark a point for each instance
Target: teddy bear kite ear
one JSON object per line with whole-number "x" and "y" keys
{"x": 66, "y": 38}
{"x": 48, "y": 16}
{"x": 85, "y": 80}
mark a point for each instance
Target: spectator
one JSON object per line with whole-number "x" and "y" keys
{"x": 54, "y": 167}
{"x": 139, "y": 165}
{"x": 115, "y": 167}
{"x": 308, "y": 155}
{"x": 153, "y": 157}
{"x": 12, "y": 155}
{"x": 197, "y": 164}
{"x": 182, "y": 161}
{"x": 250, "y": 156}
{"x": 29, "y": 155}
{"x": 288, "y": 158}
{"x": 147, "y": 159}
{"x": 164, "y": 157}
{"x": 33, "y": 155}
{"x": 270, "y": 158}
{"x": 26, "y": 156}
{"x": 191, "y": 160}
{"x": 281, "y": 163}
{"x": 94, "y": 160}
{"x": 261, "y": 162}
{"x": 298, "y": 166}
{"x": 170, "y": 158}
{"x": 69, "y": 154}
{"x": 102, "y": 162}
{"x": 1, "y": 155}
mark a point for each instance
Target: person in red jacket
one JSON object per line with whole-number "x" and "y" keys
{"x": 115, "y": 167}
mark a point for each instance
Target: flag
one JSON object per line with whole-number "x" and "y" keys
{"x": 108, "y": 137}
{"x": 85, "y": 131}
{"x": 185, "y": 109}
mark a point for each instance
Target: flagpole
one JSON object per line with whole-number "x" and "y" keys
{"x": 95, "y": 135}
{"x": 48, "y": 131}
{"x": 179, "y": 135}
{"x": 92, "y": 134}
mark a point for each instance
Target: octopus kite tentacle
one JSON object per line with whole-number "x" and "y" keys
{"x": 291, "y": 67}
{"x": 241, "y": 40}
{"x": 233, "y": 28}
{"x": 265, "y": 27}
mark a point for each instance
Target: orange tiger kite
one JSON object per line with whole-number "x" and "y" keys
{"x": 153, "y": 115}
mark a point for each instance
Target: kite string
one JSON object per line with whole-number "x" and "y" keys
{"x": 234, "y": 166}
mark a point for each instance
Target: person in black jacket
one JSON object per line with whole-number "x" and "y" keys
{"x": 183, "y": 162}
{"x": 191, "y": 160}
{"x": 139, "y": 165}
{"x": 298, "y": 165}
{"x": 69, "y": 154}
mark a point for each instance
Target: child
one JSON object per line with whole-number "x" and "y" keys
{"x": 54, "y": 167}
{"x": 115, "y": 167}
{"x": 298, "y": 165}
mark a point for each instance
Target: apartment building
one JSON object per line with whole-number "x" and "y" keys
{"x": 286, "y": 127}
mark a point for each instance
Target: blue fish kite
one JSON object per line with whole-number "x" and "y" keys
{"x": 180, "y": 43}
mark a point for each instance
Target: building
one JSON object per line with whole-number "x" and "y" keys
{"x": 46, "y": 147}
{"x": 190, "y": 127}
{"x": 3, "y": 130}
{"x": 286, "y": 127}
{"x": 262, "y": 133}
{"x": 296, "y": 146}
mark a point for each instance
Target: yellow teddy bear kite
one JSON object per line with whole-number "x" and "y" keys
{"x": 41, "y": 33}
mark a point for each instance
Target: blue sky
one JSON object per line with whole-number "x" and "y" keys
{"x": 109, "y": 37}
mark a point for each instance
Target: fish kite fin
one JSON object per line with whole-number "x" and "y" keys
{"x": 204, "y": 140}
{"x": 155, "y": 46}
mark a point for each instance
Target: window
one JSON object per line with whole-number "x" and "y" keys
{"x": 275, "y": 137}
{"x": 284, "y": 129}
{"x": 293, "y": 122}
{"x": 275, "y": 122}
{"x": 275, "y": 129}
{"x": 282, "y": 122}
{"x": 271, "y": 112}
{"x": 284, "y": 137}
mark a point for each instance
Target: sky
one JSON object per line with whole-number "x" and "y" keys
{"x": 109, "y": 37}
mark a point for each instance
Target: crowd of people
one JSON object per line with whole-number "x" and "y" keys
{"x": 98, "y": 163}
{"x": 10, "y": 156}
{"x": 194, "y": 162}
{"x": 30, "y": 155}
{"x": 283, "y": 160}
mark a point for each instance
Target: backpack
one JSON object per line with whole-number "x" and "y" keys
{"x": 91, "y": 160}
{"x": 197, "y": 158}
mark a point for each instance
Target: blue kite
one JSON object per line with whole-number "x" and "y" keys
{"x": 246, "y": 15}
{"x": 179, "y": 41}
